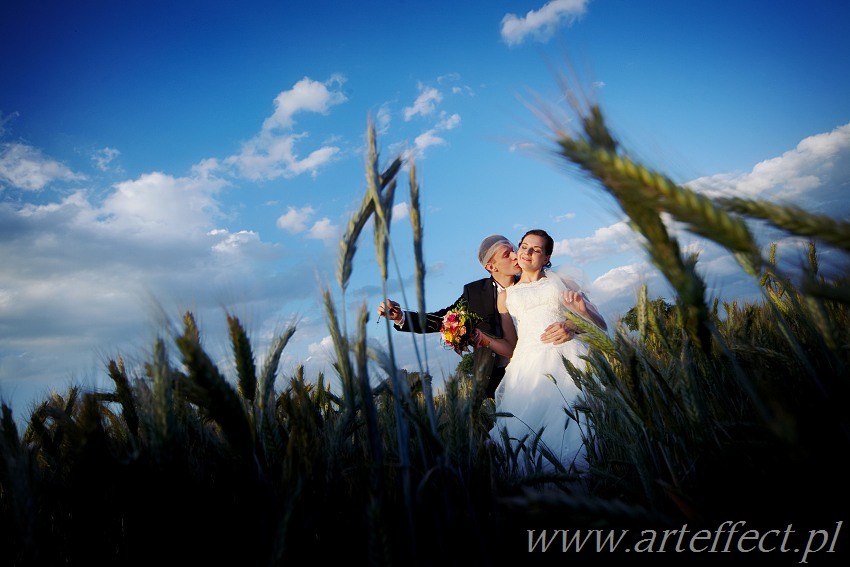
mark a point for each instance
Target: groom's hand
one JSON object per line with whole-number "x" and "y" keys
{"x": 391, "y": 310}
{"x": 559, "y": 333}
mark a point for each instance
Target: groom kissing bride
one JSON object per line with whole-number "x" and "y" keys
{"x": 522, "y": 336}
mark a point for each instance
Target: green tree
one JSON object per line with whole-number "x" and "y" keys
{"x": 466, "y": 365}
{"x": 658, "y": 306}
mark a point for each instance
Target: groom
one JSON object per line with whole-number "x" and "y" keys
{"x": 498, "y": 256}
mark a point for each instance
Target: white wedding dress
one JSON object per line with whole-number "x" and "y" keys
{"x": 537, "y": 386}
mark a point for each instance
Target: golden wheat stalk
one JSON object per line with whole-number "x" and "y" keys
{"x": 794, "y": 220}
{"x": 213, "y": 393}
{"x": 246, "y": 371}
{"x": 341, "y": 349}
{"x": 642, "y": 195}
{"x": 419, "y": 277}
{"x": 124, "y": 392}
{"x": 163, "y": 418}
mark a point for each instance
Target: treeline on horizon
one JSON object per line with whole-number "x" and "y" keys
{"x": 695, "y": 412}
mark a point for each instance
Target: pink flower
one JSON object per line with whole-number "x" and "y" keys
{"x": 456, "y": 328}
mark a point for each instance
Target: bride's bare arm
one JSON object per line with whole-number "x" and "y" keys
{"x": 577, "y": 302}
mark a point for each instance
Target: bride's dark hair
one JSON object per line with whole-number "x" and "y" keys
{"x": 549, "y": 243}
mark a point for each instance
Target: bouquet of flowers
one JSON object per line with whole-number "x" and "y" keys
{"x": 458, "y": 327}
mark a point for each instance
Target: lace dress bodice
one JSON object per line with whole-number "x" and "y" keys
{"x": 533, "y": 307}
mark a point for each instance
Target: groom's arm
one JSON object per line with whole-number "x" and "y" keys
{"x": 411, "y": 321}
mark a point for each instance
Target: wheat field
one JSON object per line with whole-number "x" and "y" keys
{"x": 697, "y": 412}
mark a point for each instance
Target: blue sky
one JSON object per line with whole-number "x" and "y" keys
{"x": 158, "y": 157}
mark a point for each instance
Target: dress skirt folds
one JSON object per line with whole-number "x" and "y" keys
{"x": 537, "y": 389}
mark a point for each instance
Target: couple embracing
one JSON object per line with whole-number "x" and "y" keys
{"x": 523, "y": 336}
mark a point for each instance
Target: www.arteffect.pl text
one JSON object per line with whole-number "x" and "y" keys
{"x": 729, "y": 537}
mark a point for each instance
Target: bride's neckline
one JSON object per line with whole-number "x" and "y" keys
{"x": 522, "y": 281}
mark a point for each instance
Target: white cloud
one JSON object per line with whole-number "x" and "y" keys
{"x": 449, "y": 122}
{"x": 102, "y": 158}
{"x": 270, "y": 157}
{"x": 606, "y": 241}
{"x": 305, "y": 95}
{"x": 232, "y": 243}
{"x": 400, "y": 211}
{"x": 313, "y": 162}
{"x": 295, "y": 220}
{"x": 425, "y": 140}
{"x": 87, "y": 276}
{"x": 383, "y": 119}
{"x": 425, "y": 103}
{"x": 430, "y": 138}
{"x": 615, "y": 292}
{"x": 819, "y": 164}
{"x": 324, "y": 229}
{"x": 24, "y": 167}
{"x": 271, "y": 153}
{"x": 322, "y": 354}
{"x": 161, "y": 206}
{"x": 206, "y": 167}
{"x": 541, "y": 24}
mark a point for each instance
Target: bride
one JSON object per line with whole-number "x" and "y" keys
{"x": 535, "y": 399}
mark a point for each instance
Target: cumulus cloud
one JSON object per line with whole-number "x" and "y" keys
{"x": 449, "y": 122}
{"x": 306, "y": 95}
{"x": 425, "y": 140}
{"x": 820, "y": 165}
{"x": 324, "y": 229}
{"x": 295, "y": 220}
{"x": 269, "y": 157}
{"x": 233, "y": 243}
{"x": 604, "y": 242}
{"x": 25, "y": 167}
{"x": 815, "y": 176}
{"x": 96, "y": 258}
{"x": 543, "y": 23}
{"x": 161, "y": 205}
{"x": 271, "y": 154}
{"x": 615, "y": 291}
{"x": 424, "y": 104}
{"x": 87, "y": 270}
{"x": 431, "y": 137}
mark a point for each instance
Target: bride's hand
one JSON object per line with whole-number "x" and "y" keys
{"x": 578, "y": 303}
{"x": 574, "y": 301}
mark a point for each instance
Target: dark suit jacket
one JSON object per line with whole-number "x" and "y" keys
{"x": 480, "y": 297}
